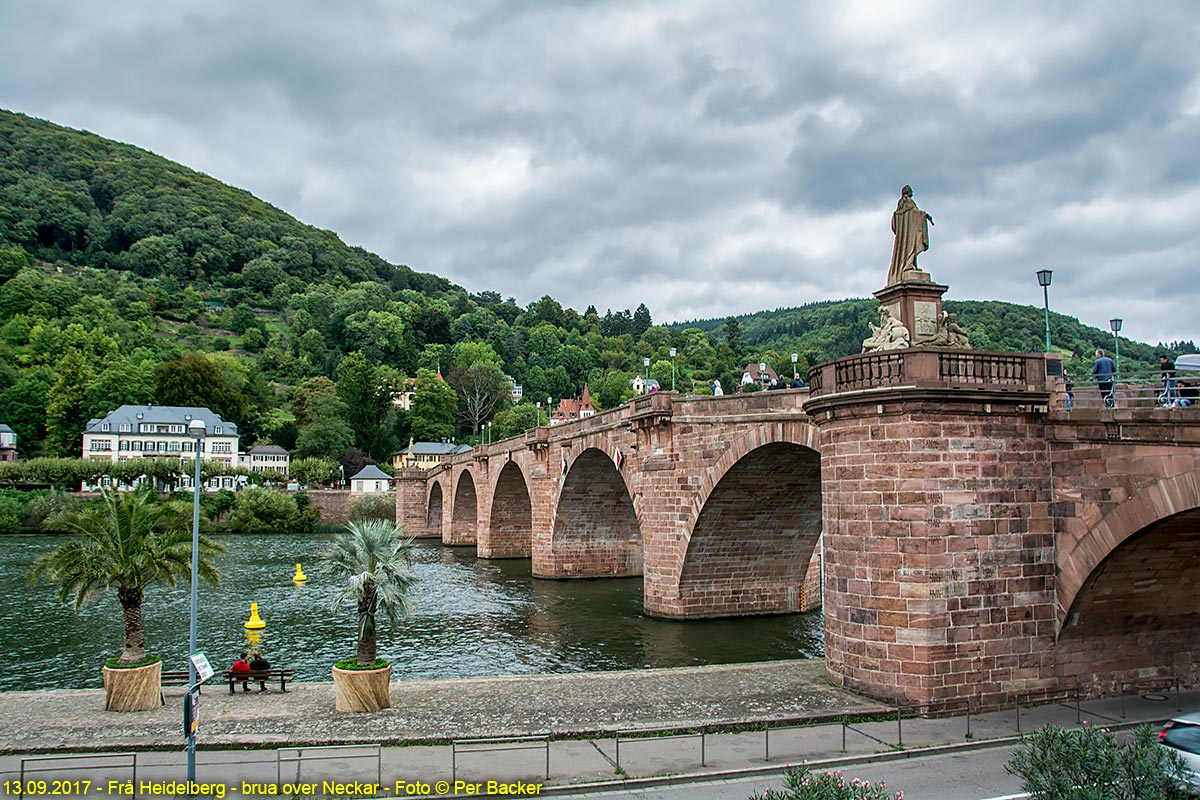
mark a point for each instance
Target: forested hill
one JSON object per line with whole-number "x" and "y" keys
{"x": 839, "y": 326}
{"x": 75, "y": 198}
{"x": 126, "y": 278}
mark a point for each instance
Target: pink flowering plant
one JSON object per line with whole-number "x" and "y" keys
{"x": 802, "y": 784}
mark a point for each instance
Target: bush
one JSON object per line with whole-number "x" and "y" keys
{"x": 268, "y": 511}
{"x": 1090, "y": 763}
{"x": 12, "y": 512}
{"x": 801, "y": 784}
{"x": 373, "y": 506}
{"x": 42, "y": 508}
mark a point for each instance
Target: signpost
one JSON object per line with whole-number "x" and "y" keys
{"x": 191, "y": 704}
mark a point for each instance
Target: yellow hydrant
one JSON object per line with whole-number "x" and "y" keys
{"x": 255, "y": 622}
{"x": 299, "y": 577}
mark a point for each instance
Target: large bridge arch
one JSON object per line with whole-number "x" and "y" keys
{"x": 595, "y": 530}
{"x": 750, "y": 547}
{"x": 509, "y": 533}
{"x": 1126, "y": 589}
{"x": 765, "y": 479}
{"x": 1085, "y": 548}
{"x": 464, "y": 515}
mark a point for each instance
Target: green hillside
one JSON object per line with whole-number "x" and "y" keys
{"x": 127, "y": 278}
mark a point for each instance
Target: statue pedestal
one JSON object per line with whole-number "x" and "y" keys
{"x": 917, "y": 302}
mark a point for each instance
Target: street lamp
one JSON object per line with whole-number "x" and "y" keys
{"x": 197, "y": 431}
{"x": 646, "y": 364}
{"x": 1043, "y": 276}
{"x": 489, "y": 433}
{"x": 795, "y": 358}
{"x": 762, "y": 373}
{"x": 1115, "y": 326}
{"x": 539, "y": 413}
{"x": 673, "y": 351}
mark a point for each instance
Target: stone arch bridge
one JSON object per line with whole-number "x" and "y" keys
{"x": 979, "y": 541}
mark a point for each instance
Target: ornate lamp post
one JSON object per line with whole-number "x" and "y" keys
{"x": 197, "y": 431}
{"x": 539, "y": 413}
{"x": 1043, "y": 276}
{"x": 795, "y": 358}
{"x": 673, "y": 351}
{"x": 646, "y": 364}
{"x": 1115, "y": 326}
{"x": 762, "y": 373}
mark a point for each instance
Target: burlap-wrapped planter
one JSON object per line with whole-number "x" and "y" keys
{"x": 136, "y": 689}
{"x": 361, "y": 689}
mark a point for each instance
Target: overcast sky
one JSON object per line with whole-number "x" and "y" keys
{"x": 706, "y": 158}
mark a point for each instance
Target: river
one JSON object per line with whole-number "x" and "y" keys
{"x": 470, "y": 617}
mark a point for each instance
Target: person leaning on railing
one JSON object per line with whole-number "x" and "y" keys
{"x": 1103, "y": 370}
{"x": 1167, "y": 367}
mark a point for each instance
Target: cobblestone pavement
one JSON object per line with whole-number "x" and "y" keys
{"x": 437, "y": 711}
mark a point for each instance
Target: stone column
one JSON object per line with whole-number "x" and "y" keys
{"x": 915, "y": 301}
{"x": 411, "y": 510}
{"x": 939, "y": 551}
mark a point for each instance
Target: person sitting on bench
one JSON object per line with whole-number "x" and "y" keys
{"x": 259, "y": 663}
{"x": 241, "y": 665}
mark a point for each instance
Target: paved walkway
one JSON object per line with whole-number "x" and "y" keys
{"x": 430, "y": 713}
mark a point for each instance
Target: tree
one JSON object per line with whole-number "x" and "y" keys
{"x": 368, "y": 398}
{"x": 371, "y": 556}
{"x": 308, "y": 393}
{"x": 66, "y": 413}
{"x": 313, "y": 471}
{"x": 514, "y": 421}
{"x": 1056, "y": 764}
{"x": 433, "y": 408}
{"x": 481, "y": 389}
{"x": 641, "y": 320}
{"x": 196, "y": 381}
{"x": 327, "y": 434}
{"x": 128, "y": 542}
{"x": 733, "y": 336}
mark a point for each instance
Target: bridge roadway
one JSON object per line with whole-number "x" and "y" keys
{"x": 978, "y": 539}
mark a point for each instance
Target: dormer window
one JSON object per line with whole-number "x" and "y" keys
{"x": 104, "y": 426}
{"x": 217, "y": 429}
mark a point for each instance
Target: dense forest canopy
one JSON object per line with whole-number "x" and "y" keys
{"x": 127, "y": 278}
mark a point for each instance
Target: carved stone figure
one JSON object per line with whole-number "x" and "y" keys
{"x": 889, "y": 334}
{"x": 950, "y": 333}
{"x": 911, "y": 226}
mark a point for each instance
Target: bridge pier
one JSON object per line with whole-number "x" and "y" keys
{"x": 939, "y": 548}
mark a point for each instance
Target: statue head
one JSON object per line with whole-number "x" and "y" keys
{"x": 906, "y": 191}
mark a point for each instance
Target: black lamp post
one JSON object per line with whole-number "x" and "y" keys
{"x": 1043, "y": 276}
{"x": 1115, "y": 326}
{"x": 197, "y": 431}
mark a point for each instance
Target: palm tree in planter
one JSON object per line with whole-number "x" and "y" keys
{"x": 371, "y": 556}
{"x": 127, "y": 542}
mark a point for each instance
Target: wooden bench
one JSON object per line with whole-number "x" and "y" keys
{"x": 257, "y": 676}
{"x": 176, "y": 678}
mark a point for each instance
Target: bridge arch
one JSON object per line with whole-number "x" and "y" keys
{"x": 464, "y": 518}
{"x": 750, "y": 546}
{"x": 509, "y": 533}
{"x": 1087, "y": 549}
{"x": 595, "y": 531}
{"x": 435, "y": 508}
{"x": 1134, "y": 615}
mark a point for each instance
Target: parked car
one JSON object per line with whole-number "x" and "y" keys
{"x": 1182, "y": 734}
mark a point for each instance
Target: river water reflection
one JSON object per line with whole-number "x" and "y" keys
{"x": 470, "y": 617}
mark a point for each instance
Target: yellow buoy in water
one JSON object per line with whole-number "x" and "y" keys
{"x": 255, "y": 622}
{"x": 299, "y": 577}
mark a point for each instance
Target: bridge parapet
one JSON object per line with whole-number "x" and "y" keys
{"x": 929, "y": 369}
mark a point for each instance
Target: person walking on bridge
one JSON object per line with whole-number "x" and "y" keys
{"x": 1103, "y": 370}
